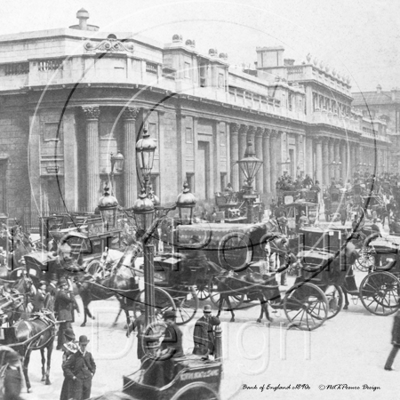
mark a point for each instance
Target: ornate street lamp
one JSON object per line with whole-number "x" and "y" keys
{"x": 108, "y": 207}
{"x": 185, "y": 203}
{"x": 249, "y": 165}
{"x": 143, "y": 211}
{"x": 145, "y": 150}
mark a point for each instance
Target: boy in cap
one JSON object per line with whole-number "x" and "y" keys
{"x": 80, "y": 368}
{"x": 203, "y": 335}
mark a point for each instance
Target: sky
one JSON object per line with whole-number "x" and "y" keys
{"x": 359, "y": 38}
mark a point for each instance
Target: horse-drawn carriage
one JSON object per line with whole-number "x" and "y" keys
{"x": 234, "y": 207}
{"x": 194, "y": 378}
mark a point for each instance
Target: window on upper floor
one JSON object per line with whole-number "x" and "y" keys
{"x": 221, "y": 80}
{"x": 189, "y": 135}
{"x": 186, "y": 71}
{"x": 203, "y": 75}
{"x": 290, "y": 102}
{"x": 51, "y": 132}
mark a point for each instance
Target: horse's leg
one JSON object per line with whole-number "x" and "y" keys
{"x": 49, "y": 353}
{"x": 262, "y": 310}
{"x": 43, "y": 365}
{"x": 119, "y": 313}
{"x": 228, "y": 302}
{"x": 25, "y": 369}
{"x": 346, "y": 299}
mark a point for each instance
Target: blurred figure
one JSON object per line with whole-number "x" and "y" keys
{"x": 203, "y": 335}
{"x": 395, "y": 342}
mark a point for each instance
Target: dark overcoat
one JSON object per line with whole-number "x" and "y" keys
{"x": 203, "y": 335}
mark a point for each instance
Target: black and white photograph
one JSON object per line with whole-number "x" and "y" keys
{"x": 199, "y": 200}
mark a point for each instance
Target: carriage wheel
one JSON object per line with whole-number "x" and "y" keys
{"x": 197, "y": 390}
{"x": 379, "y": 292}
{"x": 306, "y": 306}
{"x": 365, "y": 262}
{"x": 94, "y": 267}
{"x": 163, "y": 302}
{"x": 187, "y": 304}
{"x": 335, "y": 297}
{"x": 202, "y": 289}
{"x": 235, "y": 299}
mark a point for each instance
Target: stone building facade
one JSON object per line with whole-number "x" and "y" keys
{"x": 70, "y": 97}
{"x": 383, "y": 106}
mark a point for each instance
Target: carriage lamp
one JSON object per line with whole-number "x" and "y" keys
{"x": 108, "y": 207}
{"x": 145, "y": 150}
{"x": 249, "y": 164}
{"x": 185, "y": 203}
{"x": 143, "y": 211}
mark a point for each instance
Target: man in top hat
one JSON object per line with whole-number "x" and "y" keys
{"x": 203, "y": 335}
{"x": 80, "y": 368}
{"x": 64, "y": 307}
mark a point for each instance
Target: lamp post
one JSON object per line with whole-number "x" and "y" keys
{"x": 144, "y": 213}
{"x": 249, "y": 165}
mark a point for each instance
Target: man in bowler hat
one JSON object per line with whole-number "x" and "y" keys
{"x": 80, "y": 368}
{"x": 203, "y": 335}
{"x": 395, "y": 342}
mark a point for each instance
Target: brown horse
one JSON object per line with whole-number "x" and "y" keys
{"x": 36, "y": 333}
{"x": 256, "y": 286}
{"x": 121, "y": 279}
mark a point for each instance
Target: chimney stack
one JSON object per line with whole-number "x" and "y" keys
{"x": 379, "y": 88}
{"x": 269, "y": 57}
{"x": 82, "y": 16}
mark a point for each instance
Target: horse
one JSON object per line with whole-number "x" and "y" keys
{"x": 36, "y": 333}
{"x": 122, "y": 279}
{"x": 259, "y": 287}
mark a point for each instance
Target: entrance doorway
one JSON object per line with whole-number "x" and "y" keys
{"x": 203, "y": 170}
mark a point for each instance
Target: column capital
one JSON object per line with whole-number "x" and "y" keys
{"x": 130, "y": 113}
{"x": 274, "y": 133}
{"x": 92, "y": 112}
{"x": 259, "y": 131}
{"x": 234, "y": 127}
{"x": 267, "y": 132}
{"x": 243, "y": 129}
{"x": 251, "y": 130}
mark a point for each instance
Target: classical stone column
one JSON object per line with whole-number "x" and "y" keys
{"x": 331, "y": 168}
{"x": 242, "y": 148}
{"x": 274, "y": 160}
{"x": 129, "y": 149}
{"x": 92, "y": 157}
{"x": 267, "y": 161}
{"x": 259, "y": 153}
{"x": 325, "y": 161}
{"x": 343, "y": 154}
{"x": 234, "y": 151}
{"x": 337, "y": 159}
{"x": 319, "y": 166}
